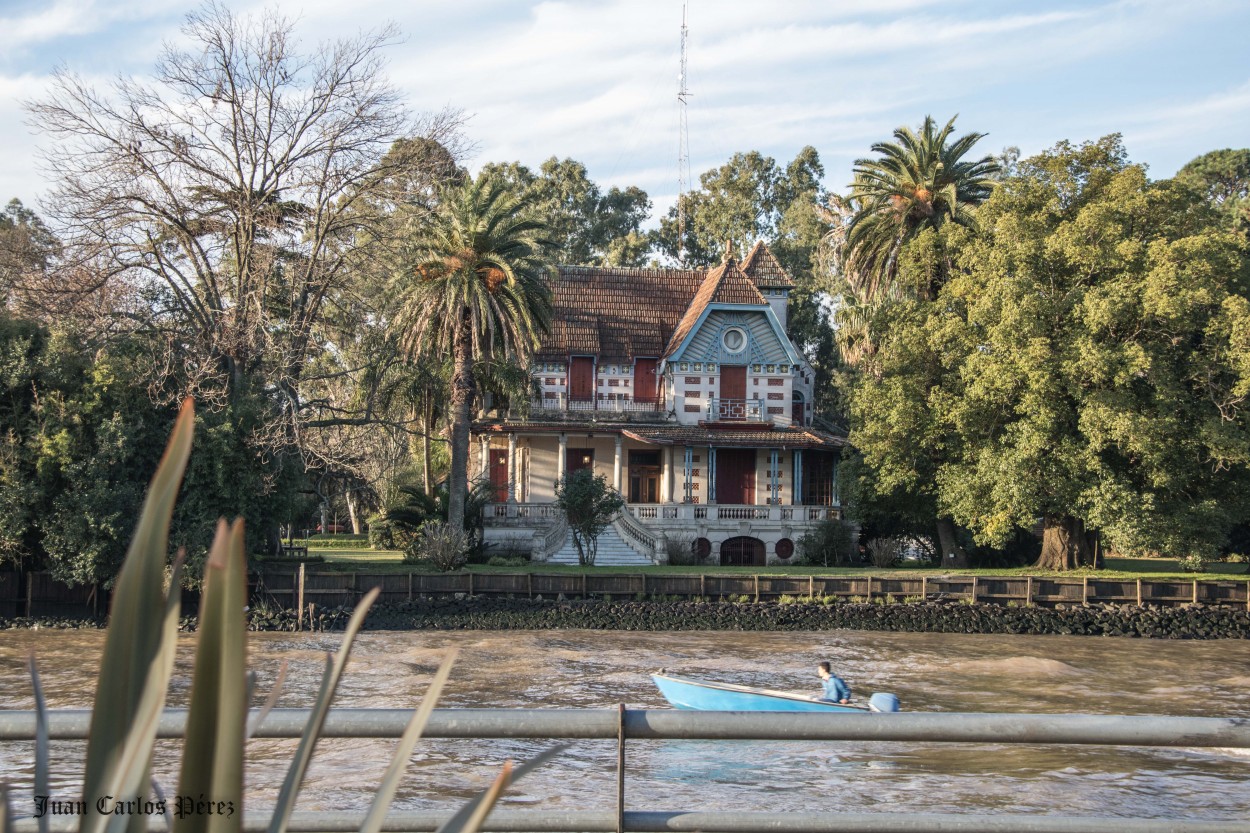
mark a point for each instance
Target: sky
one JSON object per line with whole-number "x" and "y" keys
{"x": 596, "y": 80}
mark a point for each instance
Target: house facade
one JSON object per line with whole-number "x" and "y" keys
{"x": 682, "y": 388}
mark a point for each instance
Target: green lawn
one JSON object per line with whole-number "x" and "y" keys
{"x": 391, "y": 561}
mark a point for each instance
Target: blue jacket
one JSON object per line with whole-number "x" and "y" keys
{"x": 836, "y": 689}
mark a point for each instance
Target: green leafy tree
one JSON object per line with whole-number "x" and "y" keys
{"x": 27, "y": 250}
{"x": 1099, "y": 322}
{"x": 476, "y": 287}
{"x": 585, "y": 226}
{"x": 589, "y": 504}
{"x": 1222, "y": 177}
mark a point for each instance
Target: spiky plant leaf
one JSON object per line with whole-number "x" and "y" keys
{"x": 129, "y": 775}
{"x": 312, "y": 729}
{"x": 399, "y": 761}
{"x": 41, "y": 739}
{"x": 272, "y": 700}
{"x": 138, "y": 658}
{"x": 6, "y": 812}
{"x": 469, "y": 818}
{"x": 212, "y": 758}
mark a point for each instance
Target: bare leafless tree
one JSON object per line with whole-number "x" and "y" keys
{"x": 228, "y": 206}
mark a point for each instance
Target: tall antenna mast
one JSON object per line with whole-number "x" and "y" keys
{"x": 683, "y": 145}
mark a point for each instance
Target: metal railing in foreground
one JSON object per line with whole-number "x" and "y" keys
{"x": 623, "y": 725}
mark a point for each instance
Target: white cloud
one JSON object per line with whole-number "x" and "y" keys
{"x": 596, "y": 79}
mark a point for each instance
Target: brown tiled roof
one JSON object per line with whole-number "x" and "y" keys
{"x": 726, "y": 284}
{"x": 763, "y": 268}
{"x": 617, "y": 312}
{"x": 694, "y": 435}
{"x": 762, "y": 438}
{"x": 623, "y": 312}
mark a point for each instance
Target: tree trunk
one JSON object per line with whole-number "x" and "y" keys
{"x": 427, "y": 425}
{"x": 461, "y": 416}
{"x": 1066, "y": 544}
{"x": 952, "y": 554}
{"x": 350, "y": 496}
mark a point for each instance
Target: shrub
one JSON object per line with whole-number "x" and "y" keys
{"x": 506, "y": 561}
{"x": 884, "y": 552}
{"x": 831, "y": 543}
{"x": 681, "y": 550}
{"x": 381, "y": 533}
{"x": 913, "y": 600}
{"x": 787, "y": 600}
{"x": 442, "y": 546}
{"x": 1191, "y": 564}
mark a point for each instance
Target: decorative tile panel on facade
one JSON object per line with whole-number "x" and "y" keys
{"x": 682, "y": 388}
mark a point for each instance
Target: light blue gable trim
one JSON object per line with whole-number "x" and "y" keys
{"x": 769, "y": 316}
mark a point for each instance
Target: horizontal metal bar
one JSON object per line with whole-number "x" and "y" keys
{"x": 531, "y": 821}
{"x": 662, "y": 724}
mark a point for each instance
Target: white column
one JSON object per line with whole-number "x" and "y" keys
{"x": 616, "y": 465}
{"x": 666, "y": 474}
{"x": 512, "y": 472}
{"x": 484, "y": 469}
{"x": 562, "y": 456}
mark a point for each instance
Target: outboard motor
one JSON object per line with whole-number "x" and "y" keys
{"x": 881, "y": 702}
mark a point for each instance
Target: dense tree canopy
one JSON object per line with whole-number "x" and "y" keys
{"x": 1084, "y": 365}
{"x": 585, "y": 227}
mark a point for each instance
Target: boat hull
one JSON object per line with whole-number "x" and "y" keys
{"x": 685, "y": 693}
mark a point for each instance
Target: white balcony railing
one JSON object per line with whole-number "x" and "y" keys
{"x": 659, "y": 512}
{"x": 610, "y": 402}
{"x": 720, "y": 409}
{"x": 541, "y": 514}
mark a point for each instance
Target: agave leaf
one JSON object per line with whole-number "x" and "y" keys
{"x": 138, "y": 658}
{"x": 469, "y": 818}
{"x": 41, "y": 739}
{"x": 131, "y": 766}
{"x": 399, "y": 762}
{"x": 272, "y": 700}
{"x": 6, "y": 811}
{"x": 159, "y": 792}
{"x": 212, "y": 758}
{"x": 312, "y": 729}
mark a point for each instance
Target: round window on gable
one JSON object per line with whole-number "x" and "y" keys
{"x": 734, "y": 339}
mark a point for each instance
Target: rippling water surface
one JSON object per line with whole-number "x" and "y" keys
{"x": 595, "y": 669}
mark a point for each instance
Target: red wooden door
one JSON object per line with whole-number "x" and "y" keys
{"x": 645, "y": 380}
{"x": 735, "y": 475}
{"x": 499, "y": 473}
{"x": 582, "y": 379}
{"x": 733, "y": 391}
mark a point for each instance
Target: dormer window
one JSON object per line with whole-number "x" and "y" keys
{"x": 734, "y": 340}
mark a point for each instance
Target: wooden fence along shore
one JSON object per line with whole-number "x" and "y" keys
{"x": 297, "y": 586}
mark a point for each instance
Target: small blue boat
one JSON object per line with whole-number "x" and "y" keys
{"x": 686, "y": 693}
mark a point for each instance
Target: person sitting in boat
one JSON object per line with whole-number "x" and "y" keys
{"x": 836, "y": 688}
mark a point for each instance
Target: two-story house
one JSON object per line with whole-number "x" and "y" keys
{"x": 681, "y": 387}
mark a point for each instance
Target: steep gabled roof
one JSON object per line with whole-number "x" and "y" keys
{"x": 616, "y": 312}
{"x": 726, "y": 284}
{"x": 763, "y": 268}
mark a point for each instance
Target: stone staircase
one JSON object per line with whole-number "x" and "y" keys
{"x": 613, "y": 551}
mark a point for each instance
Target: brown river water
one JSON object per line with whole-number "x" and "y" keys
{"x": 596, "y": 669}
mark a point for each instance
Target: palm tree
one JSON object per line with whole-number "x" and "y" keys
{"x": 475, "y": 287}
{"x": 921, "y": 181}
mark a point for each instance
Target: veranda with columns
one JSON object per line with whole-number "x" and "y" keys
{"x": 676, "y": 491}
